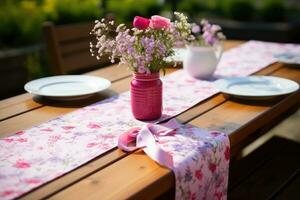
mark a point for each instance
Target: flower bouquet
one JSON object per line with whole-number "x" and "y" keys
{"x": 204, "y": 49}
{"x": 144, "y": 49}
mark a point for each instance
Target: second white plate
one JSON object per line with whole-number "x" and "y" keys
{"x": 67, "y": 86}
{"x": 256, "y": 86}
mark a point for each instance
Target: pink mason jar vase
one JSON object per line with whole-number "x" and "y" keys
{"x": 146, "y": 96}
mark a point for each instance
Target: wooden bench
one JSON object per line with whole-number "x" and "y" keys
{"x": 68, "y": 48}
{"x": 270, "y": 172}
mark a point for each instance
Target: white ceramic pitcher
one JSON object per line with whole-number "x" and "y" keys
{"x": 201, "y": 62}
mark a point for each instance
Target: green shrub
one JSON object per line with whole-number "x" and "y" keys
{"x": 20, "y": 23}
{"x": 191, "y": 7}
{"x": 273, "y": 10}
{"x": 71, "y": 11}
{"x": 125, "y": 10}
{"x": 238, "y": 9}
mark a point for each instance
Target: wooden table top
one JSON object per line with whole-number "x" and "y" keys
{"x": 120, "y": 175}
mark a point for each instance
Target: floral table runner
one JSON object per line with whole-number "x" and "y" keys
{"x": 35, "y": 156}
{"x": 199, "y": 158}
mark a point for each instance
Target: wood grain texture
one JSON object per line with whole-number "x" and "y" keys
{"x": 154, "y": 180}
{"x": 126, "y": 170}
{"x": 16, "y": 105}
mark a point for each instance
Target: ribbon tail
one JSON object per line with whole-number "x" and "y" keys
{"x": 152, "y": 149}
{"x": 159, "y": 155}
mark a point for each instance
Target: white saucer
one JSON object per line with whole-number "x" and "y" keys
{"x": 256, "y": 86}
{"x": 67, "y": 87}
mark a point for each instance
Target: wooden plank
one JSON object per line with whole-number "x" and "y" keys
{"x": 15, "y": 105}
{"x": 247, "y": 114}
{"x": 232, "y": 43}
{"x": 135, "y": 176}
{"x": 13, "y": 100}
{"x": 112, "y": 73}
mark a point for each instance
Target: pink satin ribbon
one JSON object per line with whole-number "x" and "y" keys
{"x": 147, "y": 138}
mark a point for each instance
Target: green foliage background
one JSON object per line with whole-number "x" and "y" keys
{"x": 21, "y": 20}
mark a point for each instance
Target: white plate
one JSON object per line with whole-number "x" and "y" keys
{"x": 289, "y": 58}
{"x": 256, "y": 86}
{"x": 67, "y": 86}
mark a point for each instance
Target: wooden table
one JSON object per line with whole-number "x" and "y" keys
{"x": 119, "y": 175}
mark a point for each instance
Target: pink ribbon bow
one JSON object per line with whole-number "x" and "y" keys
{"x": 147, "y": 138}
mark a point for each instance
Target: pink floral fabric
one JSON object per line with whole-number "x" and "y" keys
{"x": 198, "y": 157}
{"x": 35, "y": 156}
{"x": 201, "y": 162}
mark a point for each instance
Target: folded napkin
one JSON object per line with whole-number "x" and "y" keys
{"x": 199, "y": 158}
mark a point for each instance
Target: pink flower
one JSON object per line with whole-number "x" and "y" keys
{"x": 92, "y": 144}
{"x": 21, "y": 164}
{"x": 141, "y": 22}
{"x": 7, "y": 193}
{"x": 33, "y": 181}
{"x": 227, "y": 153}
{"x": 22, "y": 140}
{"x": 218, "y": 195}
{"x": 67, "y": 127}
{"x": 159, "y": 22}
{"x": 196, "y": 29}
{"x": 8, "y": 140}
{"x": 198, "y": 174}
{"x": 193, "y": 196}
{"x": 94, "y": 125}
{"x": 212, "y": 167}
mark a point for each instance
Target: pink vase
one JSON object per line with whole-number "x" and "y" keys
{"x": 146, "y": 96}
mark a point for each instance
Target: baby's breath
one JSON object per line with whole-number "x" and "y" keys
{"x": 144, "y": 51}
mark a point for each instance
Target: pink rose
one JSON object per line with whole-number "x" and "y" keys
{"x": 141, "y": 22}
{"x": 159, "y": 22}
